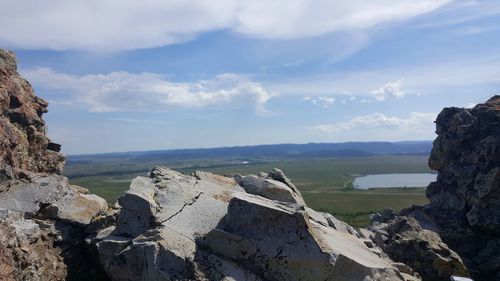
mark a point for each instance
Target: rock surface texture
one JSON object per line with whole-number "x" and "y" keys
{"x": 172, "y": 226}
{"x": 42, "y": 217}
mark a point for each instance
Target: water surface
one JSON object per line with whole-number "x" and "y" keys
{"x": 394, "y": 180}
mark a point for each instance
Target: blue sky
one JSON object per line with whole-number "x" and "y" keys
{"x": 142, "y": 75}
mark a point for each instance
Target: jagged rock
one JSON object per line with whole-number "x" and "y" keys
{"x": 42, "y": 217}
{"x": 404, "y": 240}
{"x": 174, "y": 226}
{"x": 23, "y": 143}
{"x": 465, "y": 199}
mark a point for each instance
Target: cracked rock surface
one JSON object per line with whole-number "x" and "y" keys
{"x": 172, "y": 226}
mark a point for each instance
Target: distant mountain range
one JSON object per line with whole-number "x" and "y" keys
{"x": 309, "y": 150}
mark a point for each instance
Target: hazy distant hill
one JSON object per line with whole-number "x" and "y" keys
{"x": 347, "y": 149}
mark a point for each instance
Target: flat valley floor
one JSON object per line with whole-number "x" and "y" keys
{"x": 326, "y": 183}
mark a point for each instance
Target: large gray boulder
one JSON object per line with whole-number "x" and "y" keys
{"x": 172, "y": 226}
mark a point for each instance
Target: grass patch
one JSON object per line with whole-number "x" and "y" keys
{"x": 355, "y": 206}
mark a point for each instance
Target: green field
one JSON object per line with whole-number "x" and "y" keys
{"x": 326, "y": 184}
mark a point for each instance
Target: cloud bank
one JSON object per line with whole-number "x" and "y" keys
{"x": 124, "y": 91}
{"x": 127, "y": 24}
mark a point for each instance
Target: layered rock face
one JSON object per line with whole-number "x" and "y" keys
{"x": 42, "y": 217}
{"x": 172, "y": 226}
{"x": 23, "y": 143}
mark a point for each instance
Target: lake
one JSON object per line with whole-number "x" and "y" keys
{"x": 394, "y": 180}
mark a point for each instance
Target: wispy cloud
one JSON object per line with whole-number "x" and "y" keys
{"x": 124, "y": 91}
{"x": 293, "y": 63}
{"x": 126, "y": 24}
{"x": 418, "y": 79}
{"x": 323, "y": 102}
{"x": 139, "y": 121}
{"x": 459, "y": 13}
{"x": 378, "y": 120}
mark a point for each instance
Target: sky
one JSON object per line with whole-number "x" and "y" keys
{"x": 123, "y": 75}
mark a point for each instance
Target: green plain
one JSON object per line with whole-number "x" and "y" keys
{"x": 326, "y": 184}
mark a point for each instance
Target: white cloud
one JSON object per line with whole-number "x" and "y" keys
{"x": 460, "y": 12}
{"x": 304, "y": 18}
{"x": 377, "y": 121}
{"x": 124, "y": 91}
{"x": 389, "y": 90}
{"x": 127, "y": 24}
{"x": 320, "y": 101}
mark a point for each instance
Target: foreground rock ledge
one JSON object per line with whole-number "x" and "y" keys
{"x": 172, "y": 226}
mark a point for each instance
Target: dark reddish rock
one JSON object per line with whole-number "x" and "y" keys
{"x": 24, "y": 145}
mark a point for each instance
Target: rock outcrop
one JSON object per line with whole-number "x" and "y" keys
{"x": 464, "y": 204}
{"x": 465, "y": 199}
{"x": 24, "y": 145}
{"x": 172, "y": 226}
{"x": 42, "y": 216}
